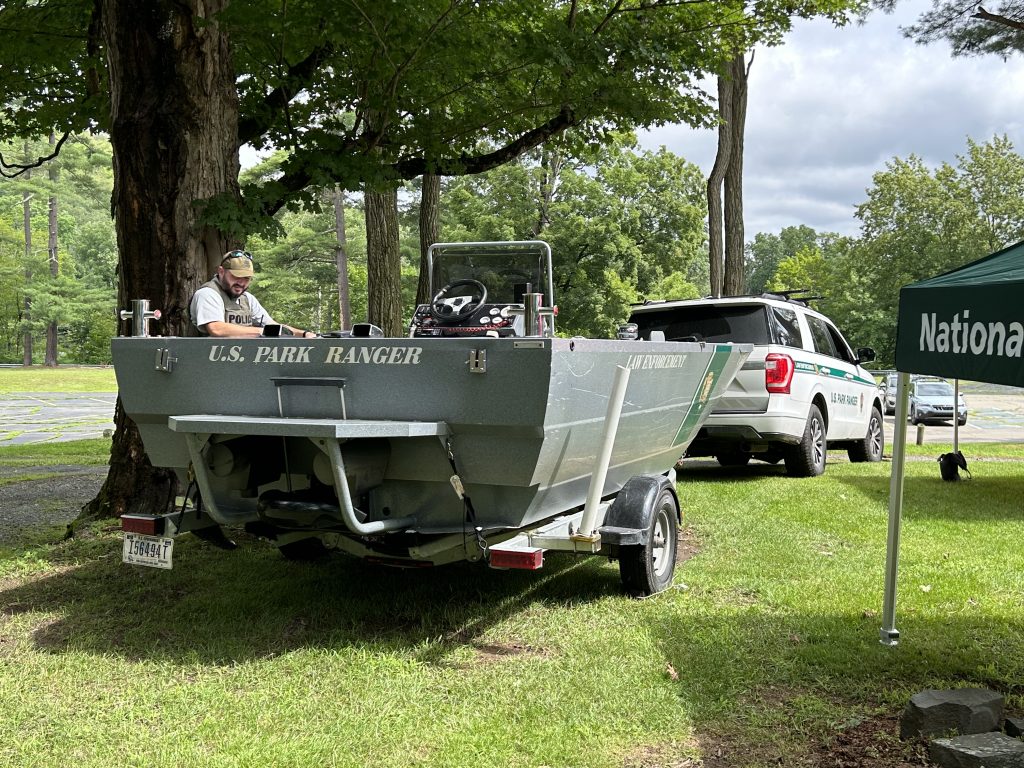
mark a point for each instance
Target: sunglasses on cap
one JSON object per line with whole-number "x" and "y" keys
{"x": 235, "y": 255}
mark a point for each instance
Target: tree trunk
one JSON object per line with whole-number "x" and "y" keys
{"x": 174, "y": 126}
{"x": 430, "y": 231}
{"x": 50, "y": 358}
{"x": 341, "y": 260}
{"x": 383, "y": 260}
{"x": 735, "y": 281}
{"x": 551, "y": 166}
{"x": 26, "y": 210}
{"x": 716, "y": 251}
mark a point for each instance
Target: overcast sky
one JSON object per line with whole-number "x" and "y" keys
{"x": 829, "y": 108}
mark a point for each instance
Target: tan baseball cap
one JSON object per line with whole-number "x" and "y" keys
{"x": 238, "y": 263}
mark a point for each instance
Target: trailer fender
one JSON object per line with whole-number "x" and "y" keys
{"x": 628, "y": 520}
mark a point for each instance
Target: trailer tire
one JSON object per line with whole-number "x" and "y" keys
{"x": 648, "y": 568}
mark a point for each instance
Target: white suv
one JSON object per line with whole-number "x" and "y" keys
{"x": 800, "y": 392}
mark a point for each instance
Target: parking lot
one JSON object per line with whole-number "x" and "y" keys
{"x": 35, "y": 417}
{"x": 995, "y": 414}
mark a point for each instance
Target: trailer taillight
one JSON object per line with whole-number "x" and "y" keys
{"x": 778, "y": 373}
{"x": 527, "y": 558}
{"x": 148, "y": 525}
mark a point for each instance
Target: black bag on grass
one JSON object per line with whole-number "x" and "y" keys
{"x": 950, "y": 465}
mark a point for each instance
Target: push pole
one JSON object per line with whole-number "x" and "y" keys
{"x": 611, "y": 426}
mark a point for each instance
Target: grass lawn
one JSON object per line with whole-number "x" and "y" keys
{"x": 764, "y": 653}
{"x": 38, "y": 378}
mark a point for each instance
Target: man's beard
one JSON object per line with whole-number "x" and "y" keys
{"x": 233, "y": 290}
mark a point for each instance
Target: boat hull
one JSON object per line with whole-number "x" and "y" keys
{"x": 519, "y": 421}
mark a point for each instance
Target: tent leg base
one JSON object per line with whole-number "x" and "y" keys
{"x": 889, "y": 636}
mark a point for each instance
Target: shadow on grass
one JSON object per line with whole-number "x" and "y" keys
{"x": 227, "y": 607}
{"x": 735, "y": 663}
{"x": 991, "y": 495}
{"x": 709, "y": 470}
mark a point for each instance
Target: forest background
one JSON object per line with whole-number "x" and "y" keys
{"x": 624, "y": 224}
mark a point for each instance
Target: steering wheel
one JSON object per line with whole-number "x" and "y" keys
{"x": 449, "y": 309}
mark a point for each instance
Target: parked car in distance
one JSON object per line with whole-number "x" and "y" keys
{"x": 888, "y": 390}
{"x": 931, "y": 402}
{"x": 801, "y": 391}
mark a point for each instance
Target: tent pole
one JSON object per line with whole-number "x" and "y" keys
{"x": 889, "y": 635}
{"x": 956, "y": 415}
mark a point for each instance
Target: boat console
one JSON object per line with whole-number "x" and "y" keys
{"x": 487, "y": 289}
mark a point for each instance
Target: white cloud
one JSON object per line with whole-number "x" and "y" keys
{"x": 829, "y": 108}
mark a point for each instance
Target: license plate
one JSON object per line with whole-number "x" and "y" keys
{"x": 154, "y": 551}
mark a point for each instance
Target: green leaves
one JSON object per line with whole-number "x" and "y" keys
{"x": 619, "y": 223}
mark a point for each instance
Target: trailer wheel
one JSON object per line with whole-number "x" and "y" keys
{"x": 304, "y": 550}
{"x": 648, "y": 568}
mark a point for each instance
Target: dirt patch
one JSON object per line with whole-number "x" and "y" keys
{"x": 688, "y": 545}
{"x": 872, "y": 742}
{"x": 492, "y": 652}
{"x": 55, "y": 500}
{"x": 666, "y": 756}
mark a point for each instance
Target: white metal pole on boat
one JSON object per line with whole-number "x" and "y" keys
{"x": 611, "y": 426}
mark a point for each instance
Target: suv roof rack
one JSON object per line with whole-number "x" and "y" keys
{"x": 796, "y": 295}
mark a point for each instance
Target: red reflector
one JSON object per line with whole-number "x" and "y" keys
{"x": 150, "y": 525}
{"x": 778, "y": 373}
{"x": 529, "y": 559}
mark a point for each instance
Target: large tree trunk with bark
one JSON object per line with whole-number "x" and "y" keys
{"x": 716, "y": 251}
{"x": 174, "y": 125}
{"x": 383, "y": 260}
{"x": 50, "y": 356}
{"x": 735, "y": 281}
{"x": 430, "y": 231}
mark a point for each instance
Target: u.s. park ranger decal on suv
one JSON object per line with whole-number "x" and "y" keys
{"x": 802, "y": 390}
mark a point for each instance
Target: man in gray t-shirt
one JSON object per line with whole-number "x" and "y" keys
{"x": 224, "y": 307}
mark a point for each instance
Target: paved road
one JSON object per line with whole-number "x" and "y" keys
{"x": 33, "y": 417}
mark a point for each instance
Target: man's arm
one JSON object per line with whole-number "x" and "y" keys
{"x": 300, "y": 332}
{"x": 221, "y": 329}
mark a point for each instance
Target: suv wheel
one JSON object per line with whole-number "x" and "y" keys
{"x": 733, "y": 458}
{"x": 808, "y": 458}
{"x": 870, "y": 448}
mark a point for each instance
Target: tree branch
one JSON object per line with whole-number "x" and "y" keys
{"x": 465, "y": 165}
{"x": 296, "y": 180}
{"x": 22, "y": 167}
{"x": 299, "y": 76}
{"x": 995, "y": 18}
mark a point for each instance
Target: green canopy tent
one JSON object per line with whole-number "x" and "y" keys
{"x": 964, "y": 324}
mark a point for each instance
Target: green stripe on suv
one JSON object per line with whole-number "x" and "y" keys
{"x": 802, "y": 366}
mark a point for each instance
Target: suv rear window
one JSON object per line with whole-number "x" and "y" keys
{"x": 735, "y": 323}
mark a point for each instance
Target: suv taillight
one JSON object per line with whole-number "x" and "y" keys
{"x": 778, "y": 373}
